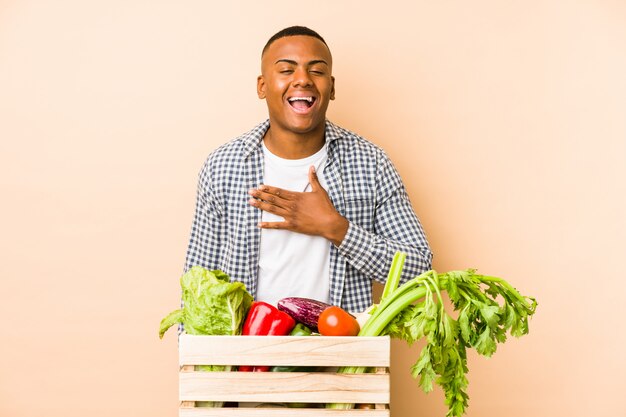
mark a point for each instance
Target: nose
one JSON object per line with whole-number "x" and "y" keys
{"x": 302, "y": 78}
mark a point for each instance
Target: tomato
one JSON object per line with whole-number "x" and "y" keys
{"x": 335, "y": 321}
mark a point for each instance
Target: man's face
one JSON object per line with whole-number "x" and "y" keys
{"x": 296, "y": 83}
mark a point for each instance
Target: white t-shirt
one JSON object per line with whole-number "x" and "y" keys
{"x": 292, "y": 264}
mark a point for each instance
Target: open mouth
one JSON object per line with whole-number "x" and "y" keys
{"x": 301, "y": 104}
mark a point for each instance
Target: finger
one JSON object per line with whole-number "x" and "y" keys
{"x": 267, "y": 191}
{"x": 313, "y": 180}
{"x": 273, "y": 199}
{"x": 273, "y": 225}
{"x": 268, "y": 207}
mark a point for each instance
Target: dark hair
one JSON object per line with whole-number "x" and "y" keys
{"x": 293, "y": 31}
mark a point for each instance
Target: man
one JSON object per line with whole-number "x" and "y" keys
{"x": 299, "y": 206}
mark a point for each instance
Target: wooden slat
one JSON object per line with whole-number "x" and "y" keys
{"x": 284, "y": 387}
{"x": 379, "y": 371}
{"x": 284, "y": 350}
{"x": 187, "y": 404}
{"x": 279, "y": 412}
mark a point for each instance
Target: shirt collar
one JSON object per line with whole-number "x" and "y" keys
{"x": 252, "y": 140}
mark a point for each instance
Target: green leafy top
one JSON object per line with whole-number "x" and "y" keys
{"x": 416, "y": 310}
{"x": 212, "y": 305}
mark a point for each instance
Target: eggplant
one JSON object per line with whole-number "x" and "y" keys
{"x": 304, "y": 310}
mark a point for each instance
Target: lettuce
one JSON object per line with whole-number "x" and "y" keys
{"x": 212, "y": 305}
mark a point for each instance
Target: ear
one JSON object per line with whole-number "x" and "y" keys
{"x": 332, "y": 90}
{"x": 260, "y": 87}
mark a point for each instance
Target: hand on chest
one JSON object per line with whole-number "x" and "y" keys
{"x": 291, "y": 174}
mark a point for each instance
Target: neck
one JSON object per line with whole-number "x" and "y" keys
{"x": 291, "y": 145}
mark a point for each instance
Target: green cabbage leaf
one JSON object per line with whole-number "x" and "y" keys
{"x": 212, "y": 305}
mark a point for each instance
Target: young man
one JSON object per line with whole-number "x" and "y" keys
{"x": 299, "y": 206}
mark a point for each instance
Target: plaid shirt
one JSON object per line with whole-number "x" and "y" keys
{"x": 362, "y": 184}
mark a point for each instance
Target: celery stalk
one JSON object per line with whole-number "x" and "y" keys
{"x": 395, "y": 272}
{"x": 417, "y": 310}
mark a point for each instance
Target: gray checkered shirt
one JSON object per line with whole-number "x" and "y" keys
{"x": 364, "y": 187}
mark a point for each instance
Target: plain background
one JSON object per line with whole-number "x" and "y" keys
{"x": 506, "y": 119}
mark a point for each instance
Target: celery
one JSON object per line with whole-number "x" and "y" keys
{"x": 416, "y": 309}
{"x": 395, "y": 272}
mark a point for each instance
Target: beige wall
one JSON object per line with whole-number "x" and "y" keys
{"x": 506, "y": 119}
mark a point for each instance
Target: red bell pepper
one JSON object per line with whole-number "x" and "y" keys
{"x": 264, "y": 319}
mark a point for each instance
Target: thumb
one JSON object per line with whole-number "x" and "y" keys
{"x": 313, "y": 180}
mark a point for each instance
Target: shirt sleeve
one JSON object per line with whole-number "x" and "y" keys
{"x": 207, "y": 227}
{"x": 395, "y": 228}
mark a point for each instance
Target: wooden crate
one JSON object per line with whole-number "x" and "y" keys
{"x": 284, "y": 387}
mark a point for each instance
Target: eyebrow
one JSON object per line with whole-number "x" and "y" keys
{"x": 292, "y": 62}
